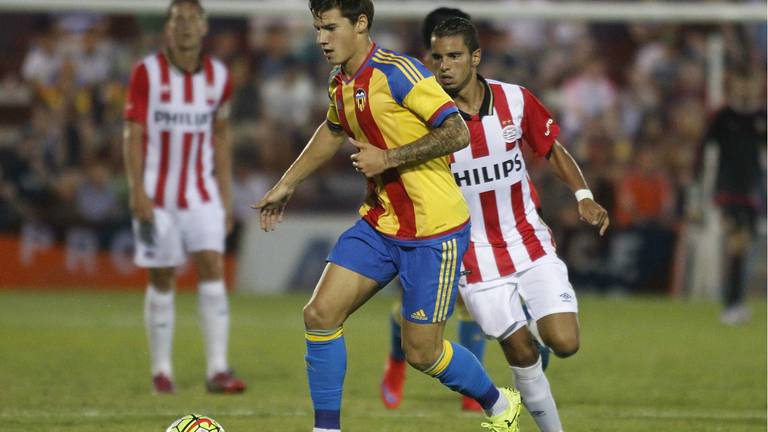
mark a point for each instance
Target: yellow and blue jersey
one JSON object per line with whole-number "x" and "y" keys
{"x": 393, "y": 100}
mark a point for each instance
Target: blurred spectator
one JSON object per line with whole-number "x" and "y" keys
{"x": 96, "y": 199}
{"x": 288, "y": 98}
{"x": 586, "y": 96}
{"x": 43, "y": 60}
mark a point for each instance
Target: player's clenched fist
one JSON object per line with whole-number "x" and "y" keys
{"x": 272, "y": 206}
{"x": 594, "y": 214}
{"x": 369, "y": 160}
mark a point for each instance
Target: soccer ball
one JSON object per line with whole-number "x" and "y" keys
{"x": 195, "y": 423}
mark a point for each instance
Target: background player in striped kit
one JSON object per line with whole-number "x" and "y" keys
{"x": 512, "y": 253}
{"x": 414, "y": 221}
{"x": 177, "y": 108}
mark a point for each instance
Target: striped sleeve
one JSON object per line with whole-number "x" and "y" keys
{"x": 137, "y": 99}
{"x": 332, "y": 116}
{"x": 413, "y": 86}
{"x": 430, "y": 102}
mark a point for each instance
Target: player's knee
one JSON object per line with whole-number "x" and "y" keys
{"x": 564, "y": 345}
{"x": 317, "y": 317}
{"x": 520, "y": 354}
{"x": 162, "y": 279}
{"x": 421, "y": 358}
{"x": 210, "y": 268}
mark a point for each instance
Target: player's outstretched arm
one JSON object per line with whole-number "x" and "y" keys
{"x": 450, "y": 136}
{"x": 141, "y": 204}
{"x": 321, "y": 147}
{"x": 569, "y": 172}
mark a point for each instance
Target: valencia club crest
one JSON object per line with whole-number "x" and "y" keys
{"x": 361, "y": 99}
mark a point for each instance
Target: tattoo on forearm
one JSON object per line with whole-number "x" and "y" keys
{"x": 451, "y": 136}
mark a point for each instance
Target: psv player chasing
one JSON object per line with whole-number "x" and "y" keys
{"x": 511, "y": 255}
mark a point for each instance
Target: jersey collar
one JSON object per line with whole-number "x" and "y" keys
{"x": 486, "y": 108}
{"x": 362, "y": 66}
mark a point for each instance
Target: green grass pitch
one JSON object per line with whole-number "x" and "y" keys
{"x": 78, "y": 362}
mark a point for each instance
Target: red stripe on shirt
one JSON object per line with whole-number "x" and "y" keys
{"x": 531, "y": 242}
{"x": 189, "y": 88}
{"x": 501, "y": 105}
{"x": 209, "y": 79}
{"x": 199, "y": 168}
{"x": 165, "y": 148}
{"x": 534, "y": 194}
{"x": 477, "y": 142}
{"x": 187, "y": 149}
{"x": 494, "y": 234}
{"x": 393, "y": 184}
{"x": 165, "y": 78}
{"x": 471, "y": 266}
{"x": 446, "y": 106}
{"x": 340, "y": 110}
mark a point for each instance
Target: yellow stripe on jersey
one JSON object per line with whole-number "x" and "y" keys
{"x": 449, "y": 283}
{"x": 441, "y": 282}
{"x": 323, "y": 335}
{"x": 442, "y": 362}
{"x": 398, "y": 65}
{"x": 405, "y": 60}
{"x": 448, "y": 272}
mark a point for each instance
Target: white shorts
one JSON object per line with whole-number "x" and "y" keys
{"x": 174, "y": 233}
{"x": 497, "y": 305}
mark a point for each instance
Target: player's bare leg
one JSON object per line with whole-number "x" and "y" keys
{"x": 524, "y": 358}
{"x": 423, "y": 343}
{"x": 560, "y": 332}
{"x": 159, "y": 319}
{"x": 213, "y": 307}
{"x": 338, "y": 293}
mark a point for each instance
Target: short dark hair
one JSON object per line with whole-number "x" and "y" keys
{"x": 195, "y": 3}
{"x": 350, "y": 9}
{"x": 459, "y": 26}
{"x": 436, "y": 17}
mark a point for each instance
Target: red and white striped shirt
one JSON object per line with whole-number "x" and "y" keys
{"x": 507, "y": 233}
{"x": 178, "y": 111}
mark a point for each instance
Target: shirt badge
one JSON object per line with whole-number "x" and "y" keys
{"x": 361, "y": 99}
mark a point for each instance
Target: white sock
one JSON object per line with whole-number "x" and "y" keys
{"x": 537, "y": 396}
{"x": 325, "y": 430}
{"x": 159, "y": 317}
{"x": 499, "y": 406}
{"x": 214, "y": 313}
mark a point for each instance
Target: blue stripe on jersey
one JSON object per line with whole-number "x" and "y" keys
{"x": 399, "y": 84}
{"x": 413, "y": 62}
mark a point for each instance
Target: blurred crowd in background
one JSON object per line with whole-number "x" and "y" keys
{"x": 631, "y": 100}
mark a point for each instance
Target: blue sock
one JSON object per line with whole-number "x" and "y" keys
{"x": 326, "y": 362}
{"x": 472, "y": 338}
{"x": 396, "y": 349}
{"x": 460, "y": 371}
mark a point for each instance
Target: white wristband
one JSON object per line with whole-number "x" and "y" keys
{"x": 584, "y": 194}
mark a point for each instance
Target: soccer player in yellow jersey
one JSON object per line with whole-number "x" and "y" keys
{"x": 414, "y": 224}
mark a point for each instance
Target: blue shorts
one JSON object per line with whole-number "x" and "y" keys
{"x": 429, "y": 269}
